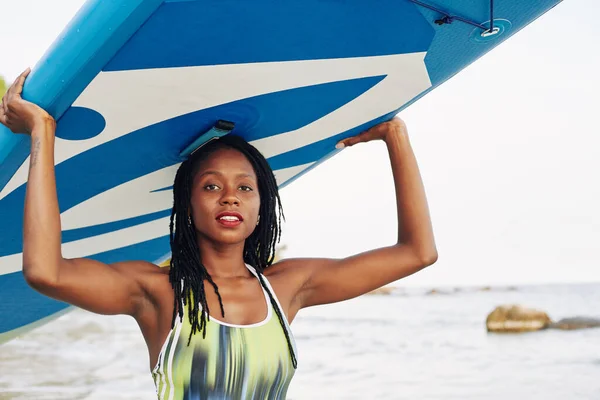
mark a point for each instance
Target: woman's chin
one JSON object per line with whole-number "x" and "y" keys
{"x": 230, "y": 237}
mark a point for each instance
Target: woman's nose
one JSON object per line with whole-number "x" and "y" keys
{"x": 230, "y": 197}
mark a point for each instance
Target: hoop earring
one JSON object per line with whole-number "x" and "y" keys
{"x": 189, "y": 220}
{"x": 258, "y": 220}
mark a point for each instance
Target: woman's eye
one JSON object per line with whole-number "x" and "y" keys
{"x": 245, "y": 188}
{"x": 211, "y": 187}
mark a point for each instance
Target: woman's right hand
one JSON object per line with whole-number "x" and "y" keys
{"x": 18, "y": 115}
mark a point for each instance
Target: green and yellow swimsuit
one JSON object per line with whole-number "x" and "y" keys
{"x": 232, "y": 362}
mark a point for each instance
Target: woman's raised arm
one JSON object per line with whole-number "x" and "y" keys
{"x": 95, "y": 286}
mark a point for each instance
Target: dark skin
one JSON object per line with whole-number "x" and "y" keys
{"x": 225, "y": 181}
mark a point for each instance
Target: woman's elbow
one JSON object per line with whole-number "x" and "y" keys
{"x": 37, "y": 278}
{"x": 429, "y": 258}
{"x": 426, "y": 256}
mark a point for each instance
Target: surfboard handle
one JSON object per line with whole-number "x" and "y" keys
{"x": 224, "y": 125}
{"x": 220, "y": 129}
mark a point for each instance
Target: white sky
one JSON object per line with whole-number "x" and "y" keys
{"x": 509, "y": 151}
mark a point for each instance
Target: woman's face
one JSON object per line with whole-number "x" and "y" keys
{"x": 225, "y": 199}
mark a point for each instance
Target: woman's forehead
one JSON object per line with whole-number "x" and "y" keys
{"x": 225, "y": 161}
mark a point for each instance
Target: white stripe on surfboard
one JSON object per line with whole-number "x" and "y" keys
{"x": 285, "y": 174}
{"x": 189, "y": 89}
{"x": 385, "y": 97}
{"x": 98, "y": 244}
{"x": 128, "y": 200}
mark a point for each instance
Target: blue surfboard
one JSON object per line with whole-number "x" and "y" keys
{"x": 132, "y": 83}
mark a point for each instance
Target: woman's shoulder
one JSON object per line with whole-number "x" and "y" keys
{"x": 281, "y": 267}
{"x": 290, "y": 267}
{"x": 295, "y": 273}
{"x": 289, "y": 272}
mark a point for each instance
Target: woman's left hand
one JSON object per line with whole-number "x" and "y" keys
{"x": 383, "y": 131}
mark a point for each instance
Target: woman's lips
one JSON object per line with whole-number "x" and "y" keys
{"x": 230, "y": 219}
{"x": 229, "y": 224}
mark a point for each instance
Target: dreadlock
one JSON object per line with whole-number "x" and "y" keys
{"x": 187, "y": 273}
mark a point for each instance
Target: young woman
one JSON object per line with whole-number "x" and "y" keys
{"x": 216, "y": 322}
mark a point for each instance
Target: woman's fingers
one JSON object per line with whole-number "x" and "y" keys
{"x": 351, "y": 141}
{"x": 15, "y": 89}
{"x": 21, "y": 81}
{"x": 376, "y": 132}
{"x": 12, "y": 94}
{"x": 346, "y": 142}
{"x": 2, "y": 114}
{"x": 19, "y": 115}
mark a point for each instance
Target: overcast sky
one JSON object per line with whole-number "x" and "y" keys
{"x": 509, "y": 150}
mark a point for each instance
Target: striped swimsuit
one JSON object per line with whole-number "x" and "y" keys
{"x": 232, "y": 362}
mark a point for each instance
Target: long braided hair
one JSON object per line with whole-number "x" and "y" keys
{"x": 187, "y": 274}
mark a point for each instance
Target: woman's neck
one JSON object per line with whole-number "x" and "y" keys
{"x": 223, "y": 260}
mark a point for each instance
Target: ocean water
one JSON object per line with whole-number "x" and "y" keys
{"x": 408, "y": 345}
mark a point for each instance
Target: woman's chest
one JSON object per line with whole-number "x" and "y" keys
{"x": 230, "y": 361}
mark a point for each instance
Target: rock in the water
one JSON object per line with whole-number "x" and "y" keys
{"x": 515, "y": 318}
{"x": 435, "y": 292}
{"x": 576, "y": 323}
